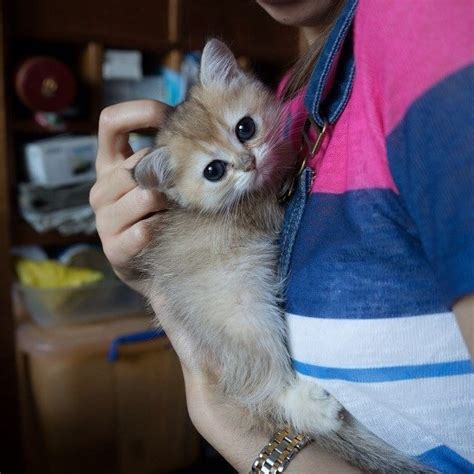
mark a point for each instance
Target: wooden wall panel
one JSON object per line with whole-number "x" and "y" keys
{"x": 10, "y": 451}
{"x": 247, "y": 28}
{"x": 141, "y": 24}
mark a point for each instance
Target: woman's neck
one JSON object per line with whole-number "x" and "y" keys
{"x": 317, "y": 34}
{"x": 312, "y": 34}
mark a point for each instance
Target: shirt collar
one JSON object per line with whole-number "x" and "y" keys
{"x": 330, "y": 84}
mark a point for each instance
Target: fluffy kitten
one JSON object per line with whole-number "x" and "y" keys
{"x": 220, "y": 160}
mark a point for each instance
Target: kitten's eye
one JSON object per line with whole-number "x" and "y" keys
{"x": 215, "y": 170}
{"x": 245, "y": 129}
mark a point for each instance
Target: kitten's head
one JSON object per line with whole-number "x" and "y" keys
{"x": 222, "y": 143}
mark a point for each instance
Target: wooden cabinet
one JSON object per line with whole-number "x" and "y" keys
{"x": 81, "y": 30}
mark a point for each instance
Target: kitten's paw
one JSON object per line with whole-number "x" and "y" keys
{"x": 310, "y": 409}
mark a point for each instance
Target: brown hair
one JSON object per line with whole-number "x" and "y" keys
{"x": 302, "y": 69}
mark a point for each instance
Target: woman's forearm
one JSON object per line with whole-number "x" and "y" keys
{"x": 464, "y": 311}
{"x": 226, "y": 429}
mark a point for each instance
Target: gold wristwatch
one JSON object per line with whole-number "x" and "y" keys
{"x": 277, "y": 454}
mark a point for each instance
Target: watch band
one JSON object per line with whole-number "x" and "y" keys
{"x": 277, "y": 454}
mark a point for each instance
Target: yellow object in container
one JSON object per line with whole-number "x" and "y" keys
{"x": 51, "y": 274}
{"x": 58, "y": 294}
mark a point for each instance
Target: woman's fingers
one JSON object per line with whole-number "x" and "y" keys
{"x": 120, "y": 249}
{"x": 117, "y": 121}
{"x": 115, "y": 182}
{"x": 129, "y": 209}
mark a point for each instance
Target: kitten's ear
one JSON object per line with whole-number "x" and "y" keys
{"x": 218, "y": 64}
{"x": 154, "y": 170}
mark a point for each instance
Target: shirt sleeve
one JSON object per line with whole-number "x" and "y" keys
{"x": 424, "y": 55}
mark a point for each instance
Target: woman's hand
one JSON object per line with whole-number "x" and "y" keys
{"x": 122, "y": 209}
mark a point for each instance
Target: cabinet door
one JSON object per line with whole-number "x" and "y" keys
{"x": 140, "y": 24}
{"x": 247, "y": 28}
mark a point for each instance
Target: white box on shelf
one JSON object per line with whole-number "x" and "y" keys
{"x": 61, "y": 160}
{"x": 122, "y": 64}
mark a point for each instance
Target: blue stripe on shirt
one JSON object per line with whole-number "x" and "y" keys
{"x": 446, "y": 460}
{"x": 385, "y": 374}
{"x": 357, "y": 255}
{"x": 430, "y": 154}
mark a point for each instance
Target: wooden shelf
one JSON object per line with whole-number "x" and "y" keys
{"x": 24, "y": 234}
{"x": 28, "y": 126}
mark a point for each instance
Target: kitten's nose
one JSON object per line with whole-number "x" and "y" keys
{"x": 249, "y": 163}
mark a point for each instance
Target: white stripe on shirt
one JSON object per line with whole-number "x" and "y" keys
{"x": 404, "y": 378}
{"x": 363, "y": 343}
{"x": 400, "y": 412}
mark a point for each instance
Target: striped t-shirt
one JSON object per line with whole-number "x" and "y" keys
{"x": 385, "y": 244}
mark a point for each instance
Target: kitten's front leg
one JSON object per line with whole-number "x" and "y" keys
{"x": 310, "y": 409}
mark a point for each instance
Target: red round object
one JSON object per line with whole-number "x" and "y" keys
{"x": 45, "y": 84}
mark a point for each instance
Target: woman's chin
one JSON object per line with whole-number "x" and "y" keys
{"x": 298, "y": 12}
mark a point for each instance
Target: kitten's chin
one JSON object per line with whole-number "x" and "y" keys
{"x": 266, "y": 178}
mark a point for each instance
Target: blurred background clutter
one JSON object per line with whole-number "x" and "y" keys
{"x": 87, "y": 383}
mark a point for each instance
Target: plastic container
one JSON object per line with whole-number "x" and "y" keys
{"x": 83, "y": 414}
{"x": 76, "y": 305}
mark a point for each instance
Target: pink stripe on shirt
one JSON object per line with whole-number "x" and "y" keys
{"x": 437, "y": 34}
{"x": 353, "y": 155}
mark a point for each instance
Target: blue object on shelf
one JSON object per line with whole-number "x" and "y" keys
{"x": 131, "y": 338}
{"x": 174, "y": 86}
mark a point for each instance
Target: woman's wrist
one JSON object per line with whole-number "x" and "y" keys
{"x": 224, "y": 426}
